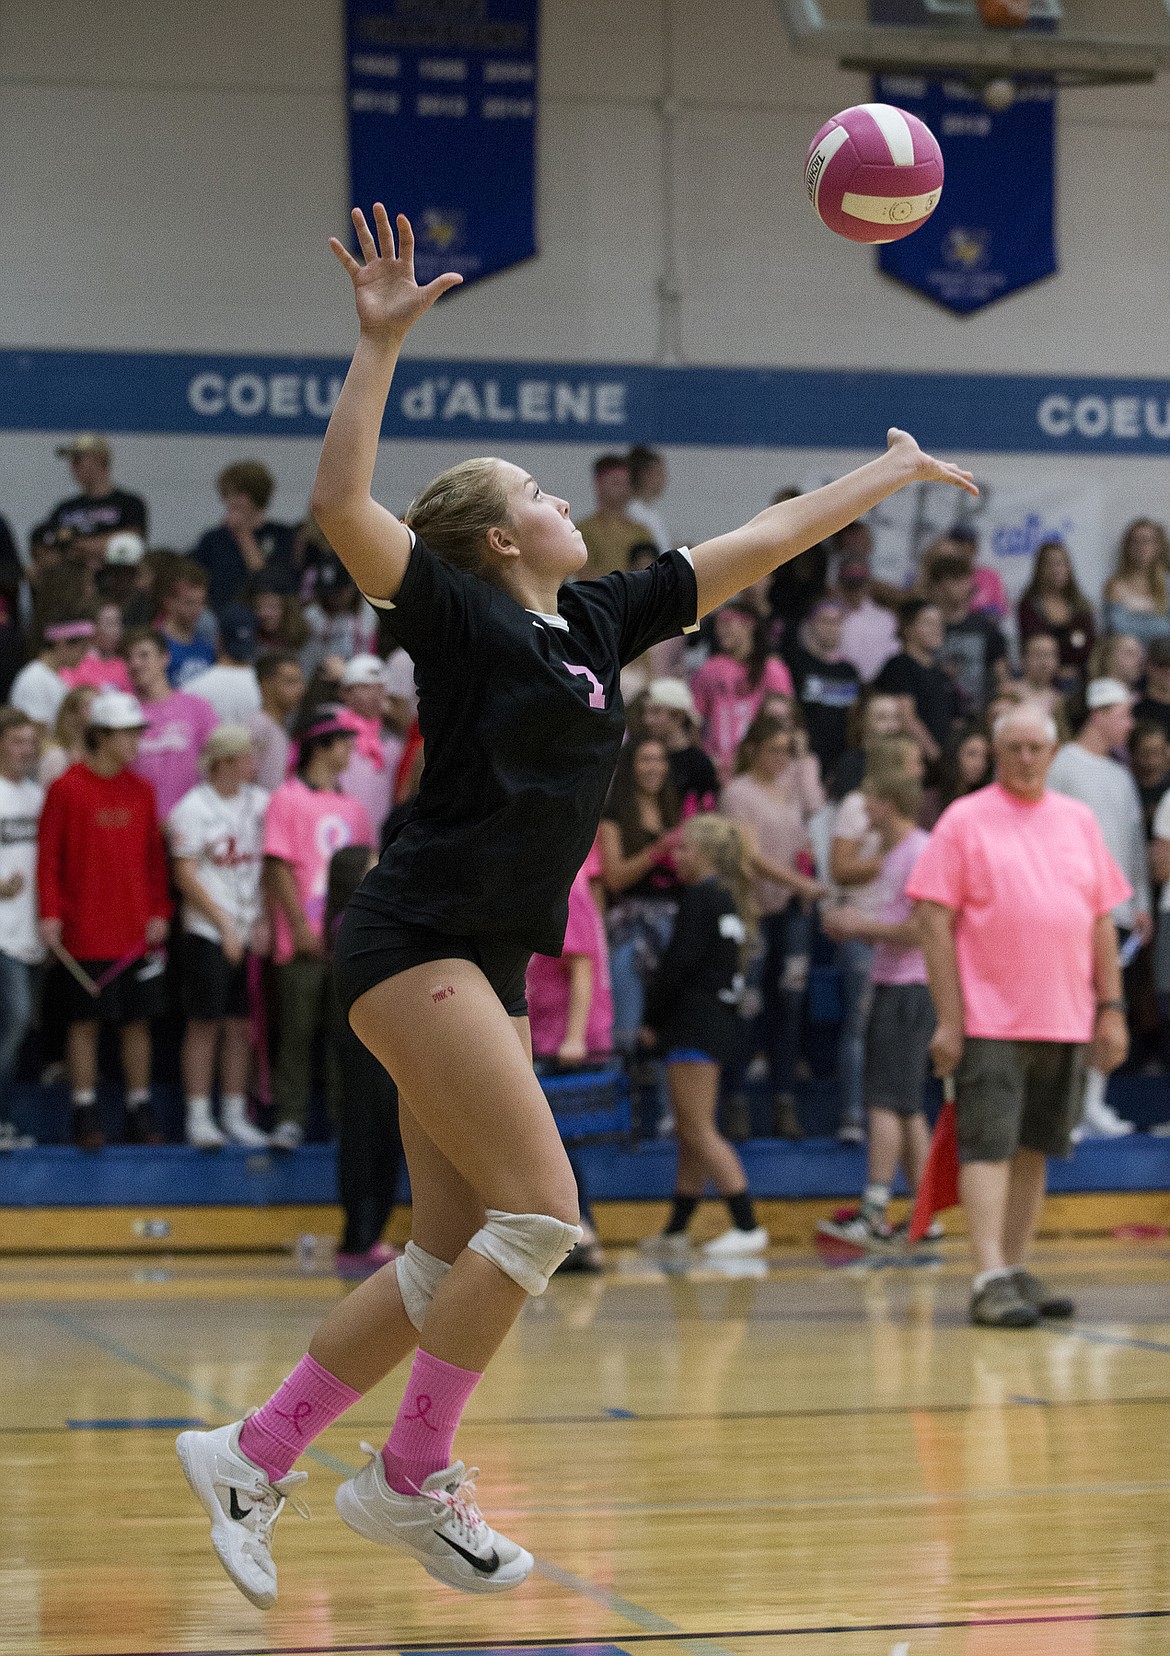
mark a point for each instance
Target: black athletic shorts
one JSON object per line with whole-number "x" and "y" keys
{"x": 212, "y": 987}
{"x": 136, "y": 994}
{"x": 372, "y": 947}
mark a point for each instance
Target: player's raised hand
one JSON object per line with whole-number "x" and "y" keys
{"x": 923, "y": 467}
{"x": 389, "y": 300}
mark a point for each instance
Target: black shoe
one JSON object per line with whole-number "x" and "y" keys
{"x": 87, "y": 1128}
{"x": 140, "y": 1127}
{"x": 1036, "y": 1294}
{"x": 999, "y": 1304}
{"x": 785, "y": 1121}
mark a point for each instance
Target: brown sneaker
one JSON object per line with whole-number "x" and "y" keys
{"x": 999, "y": 1304}
{"x": 1037, "y": 1294}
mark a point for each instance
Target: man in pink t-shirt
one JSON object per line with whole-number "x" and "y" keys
{"x": 308, "y": 820}
{"x": 1015, "y": 891}
{"x": 177, "y": 723}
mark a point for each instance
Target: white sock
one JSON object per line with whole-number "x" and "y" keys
{"x": 876, "y": 1196}
{"x": 137, "y": 1097}
{"x": 985, "y": 1277}
{"x": 1095, "y": 1084}
{"x": 85, "y": 1097}
{"x": 200, "y": 1105}
{"x": 236, "y": 1103}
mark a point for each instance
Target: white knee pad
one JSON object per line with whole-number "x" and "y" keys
{"x": 528, "y": 1247}
{"x": 419, "y": 1275}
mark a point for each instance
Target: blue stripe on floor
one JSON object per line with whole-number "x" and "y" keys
{"x": 150, "y": 1423}
{"x": 621, "y": 1414}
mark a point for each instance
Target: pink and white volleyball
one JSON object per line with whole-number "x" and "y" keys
{"x": 874, "y": 173}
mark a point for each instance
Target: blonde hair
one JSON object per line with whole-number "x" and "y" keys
{"x": 726, "y": 847}
{"x": 455, "y": 512}
{"x": 69, "y": 725}
{"x": 887, "y": 755}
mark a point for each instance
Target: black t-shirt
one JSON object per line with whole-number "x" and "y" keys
{"x": 971, "y": 648}
{"x": 694, "y": 779}
{"x": 660, "y": 880}
{"x": 229, "y": 576}
{"x": 936, "y": 701}
{"x": 100, "y": 514}
{"x": 826, "y": 690}
{"x": 522, "y": 720}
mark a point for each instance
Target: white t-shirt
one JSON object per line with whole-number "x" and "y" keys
{"x": 20, "y": 810}
{"x": 225, "y": 838}
{"x": 38, "y": 692}
{"x": 233, "y": 691}
{"x": 852, "y": 823}
{"x": 399, "y": 679}
{"x": 652, "y": 522}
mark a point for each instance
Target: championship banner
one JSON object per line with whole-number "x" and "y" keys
{"x": 442, "y": 126}
{"x": 994, "y": 231}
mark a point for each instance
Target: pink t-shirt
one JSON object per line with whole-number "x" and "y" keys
{"x": 98, "y": 671}
{"x": 304, "y": 827}
{"x": 548, "y": 979}
{"x": 727, "y": 704}
{"x": 780, "y": 823}
{"x": 895, "y": 962}
{"x": 168, "y": 754}
{"x": 1027, "y": 882}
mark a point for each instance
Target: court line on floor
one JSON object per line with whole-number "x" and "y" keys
{"x": 654, "y": 1637}
{"x": 626, "y": 1609}
{"x": 1097, "y": 1336}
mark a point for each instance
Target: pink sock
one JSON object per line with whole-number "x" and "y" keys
{"x": 308, "y": 1401}
{"x": 424, "y": 1430}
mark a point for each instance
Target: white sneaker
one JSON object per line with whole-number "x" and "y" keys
{"x": 1101, "y": 1120}
{"x": 240, "y": 1130}
{"x": 202, "y": 1131}
{"x": 12, "y": 1139}
{"x": 288, "y": 1135}
{"x": 241, "y": 1533}
{"x": 441, "y": 1526}
{"x": 734, "y": 1243}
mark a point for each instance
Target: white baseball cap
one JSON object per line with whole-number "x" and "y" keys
{"x": 1107, "y": 692}
{"x": 674, "y": 693}
{"x": 125, "y": 549}
{"x": 364, "y": 669}
{"x": 115, "y": 710}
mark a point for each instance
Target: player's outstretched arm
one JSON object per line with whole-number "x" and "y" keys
{"x": 370, "y": 541}
{"x": 727, "y": 564}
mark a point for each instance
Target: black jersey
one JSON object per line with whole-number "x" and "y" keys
{"x": 693, "y": 998}
{"x": 522, "y": 722}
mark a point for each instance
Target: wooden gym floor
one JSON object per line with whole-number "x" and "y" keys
{"x": 801, "y": 1463}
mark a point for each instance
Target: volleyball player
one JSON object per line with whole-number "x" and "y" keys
{"x": 521, "y": 712}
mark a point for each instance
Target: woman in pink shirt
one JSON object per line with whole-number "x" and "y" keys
{"x": 774, "y": 795}
{"x": 102, "y": 666}
{"x": 730, "y": 687}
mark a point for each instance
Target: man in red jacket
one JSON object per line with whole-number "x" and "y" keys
{"x": 102, "y": 884}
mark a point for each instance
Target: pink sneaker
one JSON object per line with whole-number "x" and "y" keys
{"x": 352, "y": 1267}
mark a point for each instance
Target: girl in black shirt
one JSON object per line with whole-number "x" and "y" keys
{"x": 692, "y": 1016}
{"x": 520, "y": 708}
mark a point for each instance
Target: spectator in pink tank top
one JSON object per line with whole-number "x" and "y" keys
{"x": 729, "y": 688}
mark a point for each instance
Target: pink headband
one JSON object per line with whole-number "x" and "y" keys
{"x": 60, "y": 632}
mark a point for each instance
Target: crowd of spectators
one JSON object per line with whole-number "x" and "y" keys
{"x": 191, "y": 738}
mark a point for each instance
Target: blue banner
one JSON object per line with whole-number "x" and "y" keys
{"x": 993, "y": 232}
{"x": 442, "y": 126}
{"x": 609, "y": 404}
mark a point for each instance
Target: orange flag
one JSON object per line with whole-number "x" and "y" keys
{"x": 940, "y": 1177}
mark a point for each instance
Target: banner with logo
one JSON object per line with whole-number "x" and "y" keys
{"x": 442, "y": 126}
{"x": 607, "y": 403}
{"x": 994, "y": 231}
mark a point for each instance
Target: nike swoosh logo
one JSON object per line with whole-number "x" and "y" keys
{"x": 237, "y": 1510}
{"x": 485, "y": 1566}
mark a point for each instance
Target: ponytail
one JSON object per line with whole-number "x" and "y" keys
{"x": 726, "y": 847}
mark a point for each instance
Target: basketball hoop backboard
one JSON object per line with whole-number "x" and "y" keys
{"x": 1069, "y": 42}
